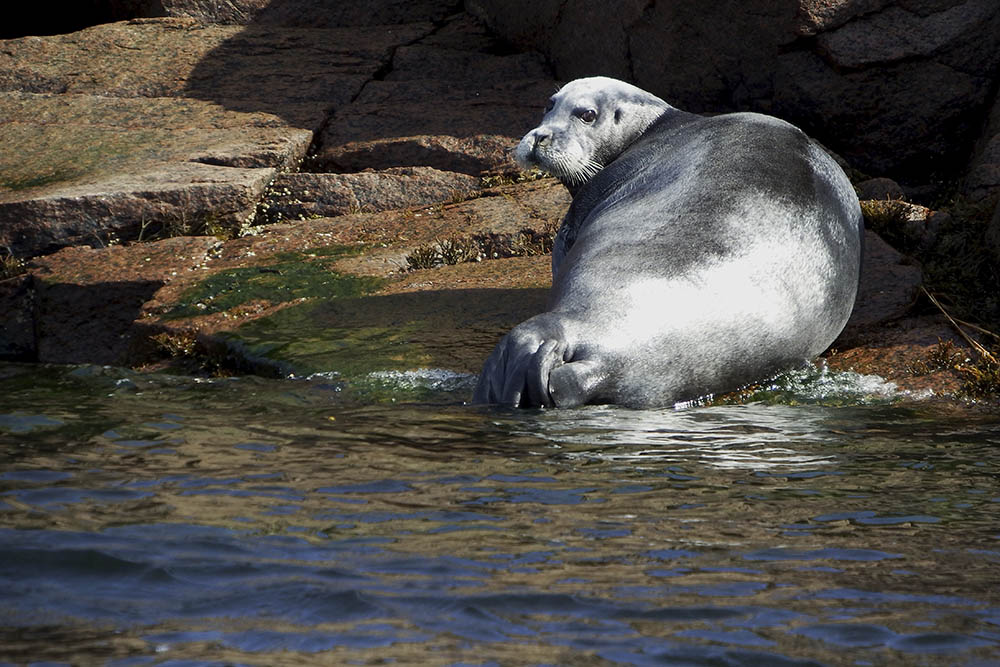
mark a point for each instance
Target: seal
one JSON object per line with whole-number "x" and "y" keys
{"x": 699, "y": 254}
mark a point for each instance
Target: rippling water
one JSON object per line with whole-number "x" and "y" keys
{"x": 149, "y": 519}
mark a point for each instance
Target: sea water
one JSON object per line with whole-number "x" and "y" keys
{"x": 150, "y": 519}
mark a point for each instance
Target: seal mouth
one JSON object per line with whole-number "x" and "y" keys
{"x": 571, "y": 171}
{"x": 573, "y": 168}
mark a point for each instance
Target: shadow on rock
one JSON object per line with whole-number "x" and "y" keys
{"x": 452, "y": 329}
{"x": 91, "y": 323}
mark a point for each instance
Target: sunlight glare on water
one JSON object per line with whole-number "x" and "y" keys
{"x": 155, "y": 518}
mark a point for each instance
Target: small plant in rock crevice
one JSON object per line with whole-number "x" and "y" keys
{"x": 496, "y": 179}
{"x": 10, "y": 265}
{"x": 887, "y": 218}
{"x": 479, "y": 247}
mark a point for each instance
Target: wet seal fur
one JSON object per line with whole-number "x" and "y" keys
{"x": 699, "y": 254}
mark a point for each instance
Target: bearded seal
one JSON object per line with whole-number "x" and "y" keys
{"x": 698, "y": 255}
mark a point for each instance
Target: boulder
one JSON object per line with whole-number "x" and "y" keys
{"x": 888, "y": 289}
{"x": 897, "y": 33}
{"x": 174, "y": 199}
{"x": 982, "y": 182}
{"x": 898, "y": 87}
{"x": 817, "y": 16}
{"x": 204, "y": 11}
{"x": 880, "y": 188}
{"x": 983, "y": 179}
{"x": 452, "y": 109}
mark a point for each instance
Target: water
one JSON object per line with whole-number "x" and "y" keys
{"x": 149, "y": 519}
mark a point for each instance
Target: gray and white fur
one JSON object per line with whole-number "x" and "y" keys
{"x": 699, "y": 254}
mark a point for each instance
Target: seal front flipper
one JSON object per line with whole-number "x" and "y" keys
{"x": 576, "y": 383}
{"x": 517, "y": 373}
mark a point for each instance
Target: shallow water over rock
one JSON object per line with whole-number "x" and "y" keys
{"x": 153, "y": 518}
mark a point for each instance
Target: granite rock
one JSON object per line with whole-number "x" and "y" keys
{"x": 142, "y": 125}
{"x": 312, "y": 195}
{"x": 899, "y": 87}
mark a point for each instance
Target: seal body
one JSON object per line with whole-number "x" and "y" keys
{"x": 699, "y": 254}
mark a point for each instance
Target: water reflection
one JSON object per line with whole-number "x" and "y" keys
{"x": 741, "y": 436}
{"x": 258, "y": 521}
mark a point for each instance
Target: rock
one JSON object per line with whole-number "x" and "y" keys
{"x": 464, "y": 32}
{"x": 896, "y": 34}
{"x": 244, "y": 69}
{"x": 816, "y": 16}
{"x": 444, "y": 103}
{"x": 138, "y": 126}
{"x": 472, "y": 68}
{"x": 453, "y": 327}
{"x": 75, "y": 16}
{"x": 391, "y": 235}
{"x": 993, "y": 234}
{"x": 301, "y": 196}
{"x": 930, "y": 69}
{"x": 466, "y": 137}
{"x": 909, "y": 227}
{"x": 17, "y": 326}
{"x": 338, "y": 14}
{"x": 899, "y": 87}
{"x": 982, "y": 181}
{"x": 181, "y": 198}
{"x": 264, "y": 68}
{"x": 526, "y": 24}
{"x": 86, "y": 305}
{"x": 906, "y": 352}
{"x": 921, "y": 120}
{"x": 880, "y": 188}
{"x": 924, "y": 225}
{"x": 160, "y": 163}
{"x": 889, "y": 284}
{"x": 216, "y": 11}
{"x": 453, "y": 110}
{"x": 88, "y": 299}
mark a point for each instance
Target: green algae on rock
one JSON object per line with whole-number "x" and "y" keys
{"x": 292, "y": 276}
{"x": 354, "y": 337}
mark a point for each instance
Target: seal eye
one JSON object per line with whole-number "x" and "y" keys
{"x": 551, "y": 105}
{"x": 587, "y": 115}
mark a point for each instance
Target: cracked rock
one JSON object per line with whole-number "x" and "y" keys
{"x": 300, "y": 196}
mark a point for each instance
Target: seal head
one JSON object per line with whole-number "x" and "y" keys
{"x": 586, "y": 125}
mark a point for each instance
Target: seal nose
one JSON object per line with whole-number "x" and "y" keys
{"x": 540, "y": 140}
